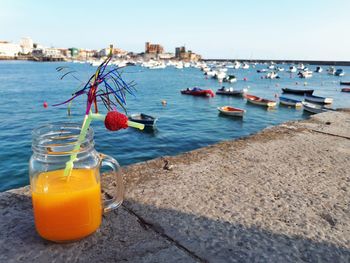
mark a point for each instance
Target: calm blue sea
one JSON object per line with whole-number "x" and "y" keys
{"x": 184, "y": 124}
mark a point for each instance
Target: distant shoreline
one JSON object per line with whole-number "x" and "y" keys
{"x": 288, "y": 61}
{"x": 277, "y": 61}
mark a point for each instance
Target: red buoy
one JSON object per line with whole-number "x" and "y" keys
{"x": 45, "y": 104}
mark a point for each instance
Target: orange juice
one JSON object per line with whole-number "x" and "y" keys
{"x": 67, "y": 209}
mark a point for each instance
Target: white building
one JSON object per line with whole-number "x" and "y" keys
{"x": 8, "y": 49}
{"x": 26, "y": 44}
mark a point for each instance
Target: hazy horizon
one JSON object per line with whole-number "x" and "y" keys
{"x": 298, "y": 30}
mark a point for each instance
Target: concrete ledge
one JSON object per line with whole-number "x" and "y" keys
{"x": 281, "y": 195}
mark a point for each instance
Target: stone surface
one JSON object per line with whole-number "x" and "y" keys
{"x": 281, "y": 195}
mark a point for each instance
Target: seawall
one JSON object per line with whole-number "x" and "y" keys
{"x": 281, "y": 195}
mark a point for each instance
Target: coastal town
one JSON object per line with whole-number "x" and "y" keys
{"x": 27, "y": 49}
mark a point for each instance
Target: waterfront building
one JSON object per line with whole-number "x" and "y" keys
{"x": 153, "y": 48}
{"x": 26, "y": 44}
{"x": 166, "y": 56}
{"x": 74, "y": 52}
{"x": 182, "y": 54}
{"x": 9, "y": 50}
{"x": 47, "y": 53}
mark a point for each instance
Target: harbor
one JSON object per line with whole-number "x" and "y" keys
{"x": 280, "y": 195}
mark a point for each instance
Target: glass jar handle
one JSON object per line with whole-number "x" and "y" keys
{"x": 115, "y": 202}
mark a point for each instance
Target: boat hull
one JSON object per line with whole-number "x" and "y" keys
{"x": 231, "y": 93}
{"x": 259, "y": 101}
{"x": 320, "y": 100}
{"x": 290, "y": 103}
{"x": 200, "y": 93}
{"x": 147, "y": 120}
{"x": 230, "y": 111}
{"x": 298, "y": 91}
{"x": 314, "y": 108}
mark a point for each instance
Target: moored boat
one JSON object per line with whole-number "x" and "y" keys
{"x": 331, "y": 70}
{"x": 230, "y": 78}
{"x": 292, "y": 69}
{"x": 315, "y": 108}
{"x": 231, "y": 91}
{"x": 147, "y": 120}
{"x": 198, "y": 92}
{"x": 298, "y": 91}
{"x": 231, "y": 111}
{"x": 339, "y": 72}
{"x": 260, "y": 101}
{"x": 290, "y": 102}
{"x": 345, "y": 89}
{"x": 305, "y": 74}
{"x": 318, "y": 69}
{"x": 345, "y": 83}
{"x": 318, "y": 99}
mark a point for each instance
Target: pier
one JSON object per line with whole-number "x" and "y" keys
{"x": 281, "y": 195}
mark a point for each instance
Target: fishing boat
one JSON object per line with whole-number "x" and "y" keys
{"x": 261, "y": 70}
{"x": 231, "y": 91}
{"x": 339, "y": 72}
{"x": 301, "y": 66}
{"x": 331, "y": 70}
{"x": 231, "y": 111}
{"x": 290, "y": 102}
{"x": 315, "y": 108}
{"x": 230, "y": 78}
{"x": 260, "y": 101}
{"x": 245, "y": 66}
{"x": 147, "y": 120}
{"x": 345, "y": 83}
{"x": 280, "y": 69}
{"x": 272, "y": 75}
{"x": 292, "y": 69}
{"x": 305, "y": 74}
{"x": 318, "y": 69}
{"x": 318, "y": 99}
{"x": 345, "y": 89}
{"x": 198, "y": 92}
{"x": 298, "y": 91}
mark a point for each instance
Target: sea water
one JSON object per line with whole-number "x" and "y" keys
{"x": 184, "y": 124}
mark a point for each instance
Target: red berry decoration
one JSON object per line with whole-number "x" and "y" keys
{"x": 115, "y": 121}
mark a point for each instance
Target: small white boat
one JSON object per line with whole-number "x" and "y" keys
{"x": 292, "y": 69}
{"x": 315, "y": 108}
{"x": 305, "y": 74}
{"x": 339, "y": 72}
{"x": 271, "y": 67}
{"x": 245, "y": 66}
{"x": 301, "y": 66}
{"x": 280, "y": 69}
{"x": 318, "y": 99}
{"x": 231, "y": 111}
{"x": 230, "y": 79}
{"x": 290, "y": 102}
{"x": 271, "y": 75}
{"x": 331, "y": 70}
{"x": 236, "y": 65}
{"x": 231, "y": 91}
{"x": 318, "y": 69}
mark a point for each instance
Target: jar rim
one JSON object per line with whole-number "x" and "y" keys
{"x": 38, "y": 131}
{"x": 60, "y": 139}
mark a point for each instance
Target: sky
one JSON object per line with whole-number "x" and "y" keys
{"x": 228, "y": 29}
